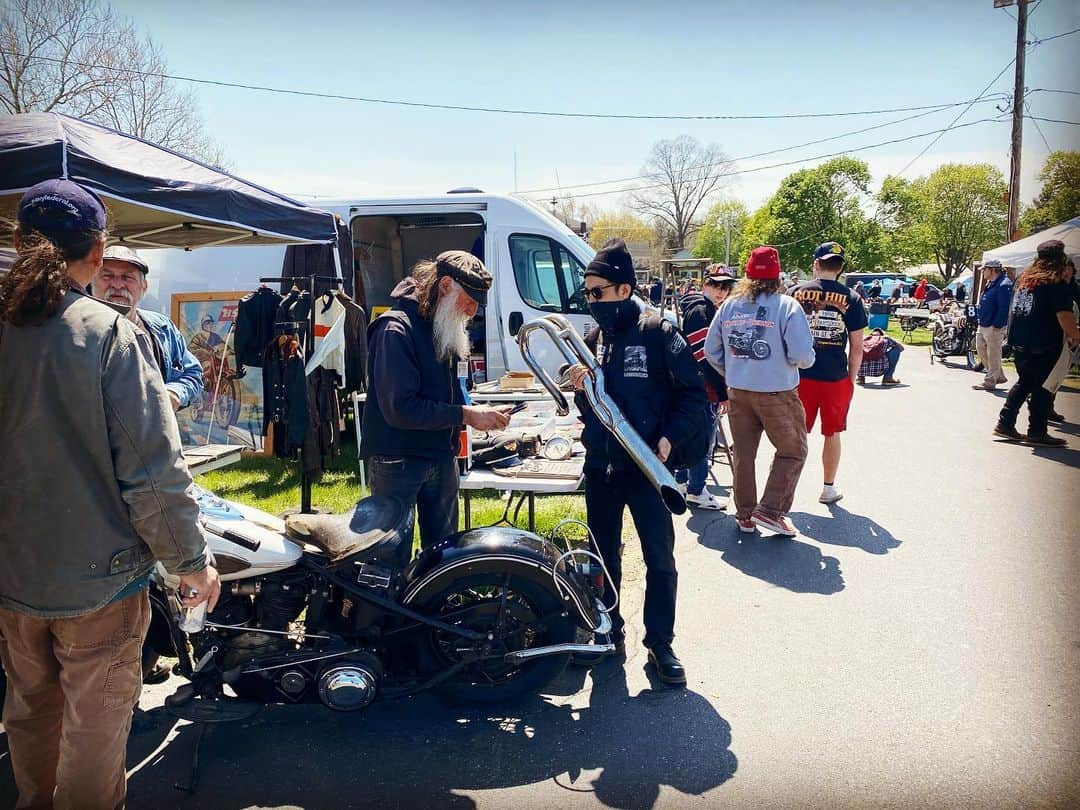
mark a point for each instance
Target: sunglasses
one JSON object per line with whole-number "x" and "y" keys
{"x": 596, "y": 293}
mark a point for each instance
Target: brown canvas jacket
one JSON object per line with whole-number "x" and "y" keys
{"x": 93, "y": 487}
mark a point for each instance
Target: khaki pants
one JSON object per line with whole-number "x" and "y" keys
{"x": 988, "y": 342}
{"x": 72, "y": 686}
{"x": 781, "y": 416}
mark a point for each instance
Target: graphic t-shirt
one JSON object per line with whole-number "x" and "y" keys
{"x": 833, "y": 312}
{"x": 1035, "y": 327}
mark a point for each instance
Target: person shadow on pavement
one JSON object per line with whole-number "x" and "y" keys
{"x": 844, "y": 528}
{"x": 787, "y": 563}
{"x": 420, "y": 752}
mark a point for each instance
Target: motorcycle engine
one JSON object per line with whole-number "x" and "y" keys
{"x": 350, "y": 685}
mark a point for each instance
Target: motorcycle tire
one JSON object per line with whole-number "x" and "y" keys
{"x": 494, "y": 682}
{"x": 973, "y": 361}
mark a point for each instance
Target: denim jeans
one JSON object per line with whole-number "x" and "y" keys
{"x": 700, "y": 471}
{"x": 428, "y": 485}
{"x": 892, "y": 354}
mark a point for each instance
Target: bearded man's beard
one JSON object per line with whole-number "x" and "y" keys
{"x": 451, "y": 339}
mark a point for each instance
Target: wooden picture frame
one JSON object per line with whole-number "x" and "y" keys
{"x": 230, "y": 409}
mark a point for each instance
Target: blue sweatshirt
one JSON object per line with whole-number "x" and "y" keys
{"x": 760, "y": 345}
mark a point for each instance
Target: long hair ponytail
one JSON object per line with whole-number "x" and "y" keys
{"x": 31, "y": 291}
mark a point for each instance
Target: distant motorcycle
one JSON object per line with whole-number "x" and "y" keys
{"x": 953, "y": 335}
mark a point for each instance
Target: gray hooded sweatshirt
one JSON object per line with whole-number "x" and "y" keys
{"x": 760, "y": 345}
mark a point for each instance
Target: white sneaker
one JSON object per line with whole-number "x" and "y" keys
{"x": 706, "y": 500}
{"x": 682, "y": 487}
{"x": 830, "y": 494}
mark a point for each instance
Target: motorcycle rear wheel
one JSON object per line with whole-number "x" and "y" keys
{"x": 508, "y": 607}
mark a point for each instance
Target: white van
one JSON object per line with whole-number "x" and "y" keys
{"x": 537, "y": 262}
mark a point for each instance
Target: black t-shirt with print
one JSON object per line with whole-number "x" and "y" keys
{"x": 1035, "y": 326}
{"x": 834, "y": 312}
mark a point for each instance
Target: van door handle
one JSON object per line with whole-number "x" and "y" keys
{"x": 516, "y": 320}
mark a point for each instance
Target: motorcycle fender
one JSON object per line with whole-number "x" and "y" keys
{"x": 500, "y": 549}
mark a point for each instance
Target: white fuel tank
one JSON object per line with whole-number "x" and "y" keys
{"x": 259, "y": 546}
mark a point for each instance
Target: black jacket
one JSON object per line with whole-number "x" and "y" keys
{"x": 698, "y": 312}
{"x": 285, "y": 403}
{"x": 414, "y": 401}
{"x": 651, "y": 375}
{"x": 255, "y": 326}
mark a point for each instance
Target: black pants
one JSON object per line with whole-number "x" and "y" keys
{"x": 604, "y": 502}
{"x": 428, "y": 484}
{"x": 1031, "y": 372}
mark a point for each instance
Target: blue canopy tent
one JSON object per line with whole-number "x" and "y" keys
{"x": 156, "y": 198}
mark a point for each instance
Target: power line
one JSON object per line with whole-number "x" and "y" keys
{"x": 465, "y": 108}
{"x": 799, "y": 160}
{"x": 1036, "y": 122}
{"x": 1048, "y": 90}
{"x": 993, "y": 97}
{"x": 1056, "y": 36}
{"x": 1053, "y": 120}
{"x": 963, "y": 112}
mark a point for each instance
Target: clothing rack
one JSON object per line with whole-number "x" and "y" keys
{"x": 309, "y": 348}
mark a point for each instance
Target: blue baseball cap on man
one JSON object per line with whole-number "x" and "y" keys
{"x": 829, "y": 251}
{"x": 61, "y": 206}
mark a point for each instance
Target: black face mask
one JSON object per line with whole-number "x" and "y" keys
{"x": 608, "y": 313}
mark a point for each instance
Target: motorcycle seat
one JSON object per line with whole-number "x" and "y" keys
{"x": 372, "y": 521}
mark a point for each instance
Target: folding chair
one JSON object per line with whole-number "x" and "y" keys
{"x": 720, "y": 440}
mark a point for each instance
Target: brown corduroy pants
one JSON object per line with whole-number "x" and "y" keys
{"x": 780, "y": 415}
{"x": 72, "y": 685}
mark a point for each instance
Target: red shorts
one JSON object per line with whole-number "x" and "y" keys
{"x": 832, "y": 399}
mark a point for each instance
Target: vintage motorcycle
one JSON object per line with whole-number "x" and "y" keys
{"x": 953, "y": 335}
{"x": 329, "y": 608}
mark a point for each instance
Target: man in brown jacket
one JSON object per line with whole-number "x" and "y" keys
{"x": 94, "y": 491}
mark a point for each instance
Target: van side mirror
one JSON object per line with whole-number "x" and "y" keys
{"x": 516, "y": 320}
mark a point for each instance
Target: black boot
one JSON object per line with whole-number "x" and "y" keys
{"x": 668, "y": 667}
{"x": 1008, "y": 432}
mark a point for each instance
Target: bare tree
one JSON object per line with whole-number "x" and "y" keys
{"x": 681, "y": 174}
{"x": 78, "y": 57}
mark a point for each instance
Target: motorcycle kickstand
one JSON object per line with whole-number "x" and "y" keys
{"x": 193, "y": 781}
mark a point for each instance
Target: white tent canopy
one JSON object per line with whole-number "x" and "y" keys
{"x": 1021, "y": 253}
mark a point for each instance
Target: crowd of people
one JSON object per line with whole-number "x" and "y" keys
{"x": 91, "y": 384}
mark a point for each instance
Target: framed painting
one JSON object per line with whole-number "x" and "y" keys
{"x": 230, "y": 410}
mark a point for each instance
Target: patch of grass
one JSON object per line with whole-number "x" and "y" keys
{"x": 273, "y": 485}
{"x": 920, "y": 337}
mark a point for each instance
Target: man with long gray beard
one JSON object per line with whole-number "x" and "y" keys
{"x": 415, "y": 404}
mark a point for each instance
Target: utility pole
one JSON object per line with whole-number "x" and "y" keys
{"x": 727, "y": 243}
{"x": 1017, "y": 120}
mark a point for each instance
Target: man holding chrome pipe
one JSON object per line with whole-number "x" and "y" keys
{"x": 651, "y": 375}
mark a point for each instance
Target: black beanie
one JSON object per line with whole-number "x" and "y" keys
{"x": 614, "y": 263}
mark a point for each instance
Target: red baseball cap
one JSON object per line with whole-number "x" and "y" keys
{"x": 764, "y": 262}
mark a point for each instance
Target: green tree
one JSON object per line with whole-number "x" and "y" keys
{"x": 712, "y": 237}
{"x": 1059, "y": 199}
{"x": 812, "y": 206}
{"x": 964, "y": 210}
{"x": 905, "y": 235}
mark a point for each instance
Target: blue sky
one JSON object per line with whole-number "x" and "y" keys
{"x": 679, "y": 58}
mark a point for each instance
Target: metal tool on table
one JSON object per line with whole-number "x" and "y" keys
{"x": 573, "y": 348}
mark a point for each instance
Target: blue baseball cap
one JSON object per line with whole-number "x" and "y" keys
{"x": 829, "y": 251}
{"x": 60, "y": 206}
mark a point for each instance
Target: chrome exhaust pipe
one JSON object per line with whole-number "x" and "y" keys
{"x": 574, "y": 349}
{"x": 521, "y": 656}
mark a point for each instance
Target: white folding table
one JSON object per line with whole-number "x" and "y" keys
{"x": 529, "y": 487}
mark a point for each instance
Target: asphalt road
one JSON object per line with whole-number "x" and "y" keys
{"x": 916, "y": 646}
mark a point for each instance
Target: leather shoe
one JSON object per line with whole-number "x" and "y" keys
{"x": 668, "y": 667}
